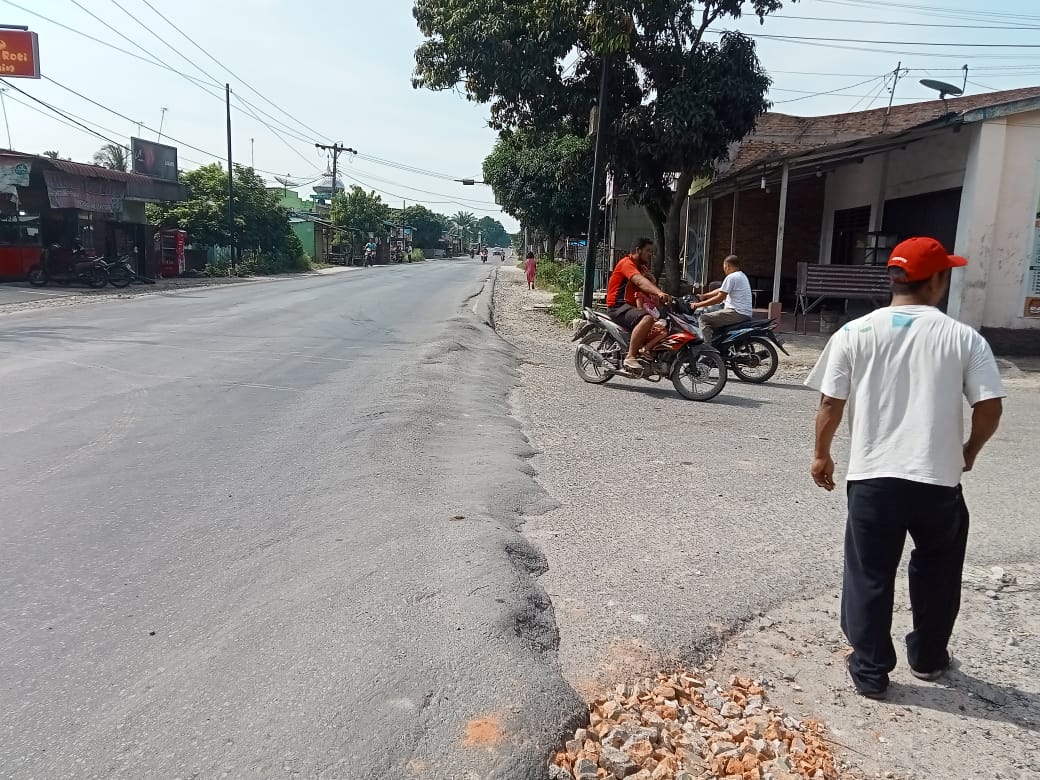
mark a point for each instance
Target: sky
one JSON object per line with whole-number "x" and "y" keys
{"x": 339, "y": 70}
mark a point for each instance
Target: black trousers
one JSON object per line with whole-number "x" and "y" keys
{"x": 881, "y": 513}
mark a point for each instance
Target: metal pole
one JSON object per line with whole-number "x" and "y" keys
{"x": 780, "y": 232}
{"x": 162, "y": 121}
{"x": 6, "y": 123}
{"x": 230, "y": 183}
{"x": 252, "y": 153}
{"x": 590, "y": 254}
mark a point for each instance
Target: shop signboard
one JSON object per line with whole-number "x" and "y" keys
{"x": 156, "y": 160}
{"x": 19, "y": 54}
{"x": 65, "y": 191}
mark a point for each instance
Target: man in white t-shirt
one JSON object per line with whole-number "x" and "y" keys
{"x": 735, "y": 294}
{"x": 902, "y": 371}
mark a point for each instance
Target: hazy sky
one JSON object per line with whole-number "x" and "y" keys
{"x": 340, "y": 70}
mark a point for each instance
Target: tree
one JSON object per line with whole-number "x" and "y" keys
{"x": 465, "y": 222}
{"x": 356, "y": 209}
{"x": 260, "y": 223}
{"x": 427, "y": 226}
{"x": 112, "y": 156}
{"x": 677, "y": 101}
{"x": 542, "y": 180}
{"x": 493, "y": 232}
{"x": 52, "y": 154}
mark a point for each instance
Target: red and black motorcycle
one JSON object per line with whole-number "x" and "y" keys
{"x": 696, "y": 369}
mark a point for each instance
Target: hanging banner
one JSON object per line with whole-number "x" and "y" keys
{"x": 65, "y": 191}
{"x": 12, "y": 176}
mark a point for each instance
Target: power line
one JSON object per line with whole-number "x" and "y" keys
{"x": 882, "y": 43}
{"x": 418, "y": 200}
{"x": 903, "y": 24}
{"x": 177, "y": 141}
{"x": 237, "y": 78}
{"x": 830, "y": 92}
{"x": 930, "y": 10}
{"x": 62, "y": 114}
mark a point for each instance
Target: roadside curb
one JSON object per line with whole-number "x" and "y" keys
{"x": 484, "y": 307}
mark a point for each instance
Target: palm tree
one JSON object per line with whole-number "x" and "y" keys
{"x": 465, "y": 222}
{"x": 112, "y": 156}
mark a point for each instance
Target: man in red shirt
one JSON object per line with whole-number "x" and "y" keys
{"x": 630, "y": 275}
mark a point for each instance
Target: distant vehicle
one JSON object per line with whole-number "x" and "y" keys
{"x": 496, "y": 251}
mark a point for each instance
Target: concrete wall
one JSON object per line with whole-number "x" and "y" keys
{"x": 929, "y": 165}
{"x": 997, "y": 227}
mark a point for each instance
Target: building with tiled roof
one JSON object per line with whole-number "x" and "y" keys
{"x": 842, "y": 188}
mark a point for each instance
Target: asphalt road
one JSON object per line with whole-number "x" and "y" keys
{"x": 269, "y": 530}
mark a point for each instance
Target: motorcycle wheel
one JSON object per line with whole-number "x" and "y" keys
{"x": 98, "y": 278}
{"x": 602, "y": 343}
{"x": 37, "y": 276}
{"x": 754, "y": 360}
{"x": 119, "y": 276}
{"x": 699, "y": 377}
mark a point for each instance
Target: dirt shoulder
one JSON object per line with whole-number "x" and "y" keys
{"x": 690, "y": 535}
{"x": 19, "y": 297}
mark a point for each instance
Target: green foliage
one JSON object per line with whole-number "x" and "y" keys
{"x": 465, "y": 226}
{"x": 360, "y": 210}
{"x": 261, "y": 225}
{"x": 416, "y": 256}
{"x": 542, "y": 179}
{"x": 114, "y": 156}
{"x": 52, "y": 154}
{"x": 261, "y": 263}
{"x": 565, "y": 279}
{"x": 427, "y": 226}
{"x": 492, "y": 232}
{"x": 677, "y": 99}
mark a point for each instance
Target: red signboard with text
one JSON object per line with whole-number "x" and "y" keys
{"x": 19, "y": 54}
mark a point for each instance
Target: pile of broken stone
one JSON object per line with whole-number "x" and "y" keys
{"x": 683, "y": 727}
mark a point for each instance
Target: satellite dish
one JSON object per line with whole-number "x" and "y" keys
{"x": 942, "y": 88}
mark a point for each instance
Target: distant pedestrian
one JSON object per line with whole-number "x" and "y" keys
{"x": 531, "y": 269}
{"x": 902, "y": 370}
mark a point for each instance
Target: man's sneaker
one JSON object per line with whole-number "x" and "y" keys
{"x": 934, "y": 675}
{"x": 632, "y": 365}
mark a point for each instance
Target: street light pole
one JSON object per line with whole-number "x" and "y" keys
{"x": 6, "y": 123}
{"x": 230, "y": 184}
{"x": 593, "y": 240}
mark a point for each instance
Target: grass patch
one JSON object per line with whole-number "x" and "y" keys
{"x": 563, "y": 279}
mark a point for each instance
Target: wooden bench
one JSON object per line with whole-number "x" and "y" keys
{"x": 817, "y": 282}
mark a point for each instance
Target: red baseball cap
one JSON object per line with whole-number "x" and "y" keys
{"x": 923, "y": 257}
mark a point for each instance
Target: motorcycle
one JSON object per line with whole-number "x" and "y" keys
{"x": 64, "y": 267}
{"x": 696, "y": 369}
{"x": 749, "y": 348}
{"x": 119, "y": 271}
{"x": 370, "y": 256}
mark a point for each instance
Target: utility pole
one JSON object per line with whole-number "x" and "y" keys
{"x": 336, "y": 150}
{"x": 6, "y": 123}
{"x": 590, "y": 253}
{"x": 252, "y": 153}
{"x": 162, "y": 121}
{"x": 230, "y": 184}
{"x": 896, "y": 74}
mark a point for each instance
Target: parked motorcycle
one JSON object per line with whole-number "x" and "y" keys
{"x": 749, "y": 348}
{"x": 119, "y": 271}
{"x": 65, "y": 267}
{"x": 696, "y": 369}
